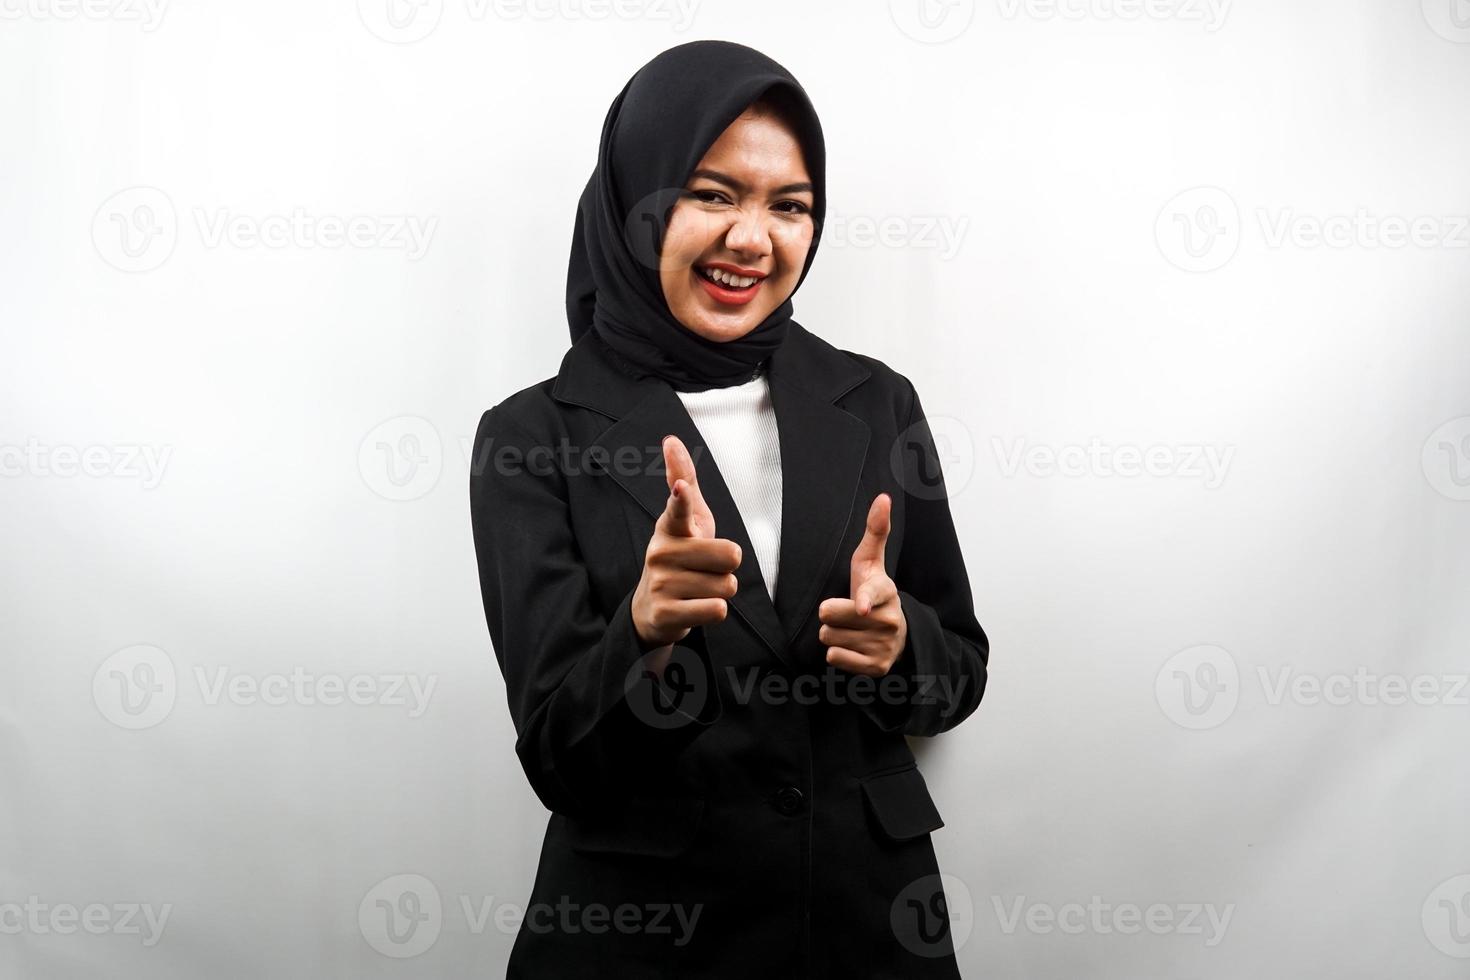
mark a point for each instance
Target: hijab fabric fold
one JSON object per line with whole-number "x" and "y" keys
{"x": 656, "y": 131}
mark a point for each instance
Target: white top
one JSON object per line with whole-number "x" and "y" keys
{"x": 739, "y": 427}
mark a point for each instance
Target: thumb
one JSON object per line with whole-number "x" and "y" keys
{"x": 686, "y": 513}
{"x": 868, "y": 555}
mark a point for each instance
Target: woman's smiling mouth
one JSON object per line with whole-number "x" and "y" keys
{"x": 726, "y": 285}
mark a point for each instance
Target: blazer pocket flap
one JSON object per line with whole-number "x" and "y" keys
{"x": 648, "y": 827}
{"x": 901, "y": 804}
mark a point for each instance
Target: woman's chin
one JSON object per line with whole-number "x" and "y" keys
{"x": 723, "y": 329}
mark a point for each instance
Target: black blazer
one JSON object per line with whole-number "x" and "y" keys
{"x": 759, "y": 813}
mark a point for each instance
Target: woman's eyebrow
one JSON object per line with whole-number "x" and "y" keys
{"x": 728, "y": 181}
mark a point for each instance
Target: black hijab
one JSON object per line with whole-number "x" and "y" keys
{"x": 656, "y": 131}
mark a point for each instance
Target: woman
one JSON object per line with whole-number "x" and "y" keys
{"x": 730, "y": 789}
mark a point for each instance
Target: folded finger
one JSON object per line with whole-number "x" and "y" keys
{"x": 852, "y": 661}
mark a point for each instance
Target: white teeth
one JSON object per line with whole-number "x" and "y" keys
{"x": 728, "y": 278}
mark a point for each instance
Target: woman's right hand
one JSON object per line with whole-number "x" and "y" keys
{"x": 688, "y": 573}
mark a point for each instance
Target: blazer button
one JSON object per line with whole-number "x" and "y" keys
{"x": 788, "y": 800}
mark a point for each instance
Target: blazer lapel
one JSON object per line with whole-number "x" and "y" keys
{"x": 822, "y": 453}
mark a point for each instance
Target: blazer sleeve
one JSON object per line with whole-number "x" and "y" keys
{"x": 945, "y": 660}
{"x": 585, "y": 722}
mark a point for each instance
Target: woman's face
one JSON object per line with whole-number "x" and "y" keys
{"x": 746, "y": 211}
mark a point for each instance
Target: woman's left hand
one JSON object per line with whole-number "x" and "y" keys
{"x": 866, "y": 634}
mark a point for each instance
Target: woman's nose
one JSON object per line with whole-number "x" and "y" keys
{"x": 749, "y": 233}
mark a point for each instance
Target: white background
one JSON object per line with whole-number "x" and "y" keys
{"x": 1097, "y": 237}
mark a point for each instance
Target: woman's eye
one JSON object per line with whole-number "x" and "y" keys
{"x": 796, "y": 207}
{"x": 708, "y": 197}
